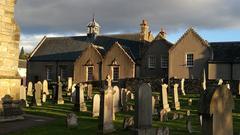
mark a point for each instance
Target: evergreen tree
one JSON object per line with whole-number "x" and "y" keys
{"x": 22, "y": 54}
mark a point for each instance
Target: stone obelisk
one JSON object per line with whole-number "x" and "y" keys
{"x": 9, "y": 50}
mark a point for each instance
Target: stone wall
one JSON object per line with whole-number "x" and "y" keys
{"x": 9, "y": 50}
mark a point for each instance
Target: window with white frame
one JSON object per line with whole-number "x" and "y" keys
{"x": 151, "y": 61}
{"x": 49, "y": 73}
{"x": 89, "y": 73}
{"x": 115, "y": 73}
{"x": 189, "y": 59}
{"x": 164, "y": 61}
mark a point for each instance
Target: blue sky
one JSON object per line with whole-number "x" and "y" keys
{"x": 214, "y": 20}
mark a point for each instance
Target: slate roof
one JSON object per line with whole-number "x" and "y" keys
{"x": 69, "y": 48}
{"x": 226, "y": 51}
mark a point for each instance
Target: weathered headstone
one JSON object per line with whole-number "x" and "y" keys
{"x": 183, "y": 87}
{"x": 128, "y": 122}
{"x": 69, "y": 86}
{"x": 106, "y": 123}
{"x": 73, "y": 97}
{"x": 83, "y": 106}
{"x": 60, "y": 97}
{"x": 23, "y": 94}
{"x": 124, "y": 99}
{"x": 204, "y": 83}
{"x": 96, "y": 105}
{"x": 165, "y": 98}
{"x": 89, "y": 91}
{"x": 221, "y": 106}
{"x": 153, "y": 104}
{"x": 45, "y": 87}
{"x": 38, "y": 93}
{"x": 44, "y": 97}
{"x": 30, "y": 89}
{"x": 143, "y": 116}
{"x": 188, "y": 122}
{"x": 220, "y": 81}
{"x": 176, "y": 101}
{"x": 116, "y": 99}
{"x": 72, "y": 120}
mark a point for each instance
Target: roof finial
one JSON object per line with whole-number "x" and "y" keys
{"x": 93, "y": 19}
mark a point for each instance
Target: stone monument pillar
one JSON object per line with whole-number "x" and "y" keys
{"x": 9, "y": 50}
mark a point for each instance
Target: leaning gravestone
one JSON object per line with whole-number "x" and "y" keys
{"x": 116, "y": 99}
{"x": 221, "y": 106}
{"x": 38, "y": 93}
{"x": 30, "y": 89}
{"x": 96, "y": 105}
{"x": 143, "y": 116}
{"x": 165, "y": 98}
{"x": 176, "y": 101}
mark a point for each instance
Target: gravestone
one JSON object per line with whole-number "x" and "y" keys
{"x": 106, "y": 118}
{"x": 72, "y": 120}
{"x": 82, "y": 103}
{"x": 38, "y": 93}
{"x": 204, "y": 83}
{"x": 44, "y": 97}
{"x": 23, "y": 94}
{"x": 73, "y": 97}
{"x": 176, "y": 101}
{"x": 89, "y": 91}
{"x": 221, "y": 106}
{"x": 30, "y": 89}
{"x": 124, "y": 99}
{"x": 165, "y": 98}
{"x": 69, "y": 86}
{"x": 96, "y": 105}
{"x": 163, "y": 115}
{"x": 59, "y": 91}
{"x": 153, "y": 104}
{"x": 116, "y": 99}
{"x": 228, "y": 86}
{"x": 128, "y": 122}
{"x": 143, "y": 113}
{"x": 220, "y": 81}
{"x": 188, "y": 122}
{"x": 183, "y": 87}
{"x": 45, "y": 87}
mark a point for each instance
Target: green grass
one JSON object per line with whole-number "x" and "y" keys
{"x": 88, "y": 125}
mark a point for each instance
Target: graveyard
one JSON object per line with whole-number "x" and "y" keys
{"x": 176, "y": 122}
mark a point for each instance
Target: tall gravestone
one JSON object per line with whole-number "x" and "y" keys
{"x": 153, "y": 104}
{"x": 30, "y": 89}
{"x": 69, "y": 86}
{"x": 165, "y": 98}
{"x": 89, "y": 91}
{"x": 143, "y": 113}
{"x": 106, "y": 117}
{"x": 221, "y": 106}
{"x": 116, "y": 99}
{"x": 73, "y": 97}
{"x": 9, "y": 50}
{"x": 45, "y": 87}
{"x": 183, "y": 87}
{"x": 176, "y": 100}
{"x": 96, "y": 105}
{"x": 59, "y": 91}
{"x": 83, "y": 106}
{"x": 124, "y": 99}
{"x": 38, "y": 93}
{"x": 204, "y": 83}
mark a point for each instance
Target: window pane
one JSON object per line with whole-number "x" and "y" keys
{"x": 190, "y": 60}
{"x": 49, "y": 73}
{"x": 90, "y": 74}
{"x": 164, "y": 61}
{"x": 63, "y": 72}
{"x": 115, "y": 73}
{"x": 151, "y": 62}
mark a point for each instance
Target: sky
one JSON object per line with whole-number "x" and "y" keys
{"x": 214, "y": 20}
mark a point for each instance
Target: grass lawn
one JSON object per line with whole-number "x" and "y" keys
{"x": 89, "y": 125}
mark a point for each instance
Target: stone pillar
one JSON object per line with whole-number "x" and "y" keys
{"x": 9, "y": 51}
